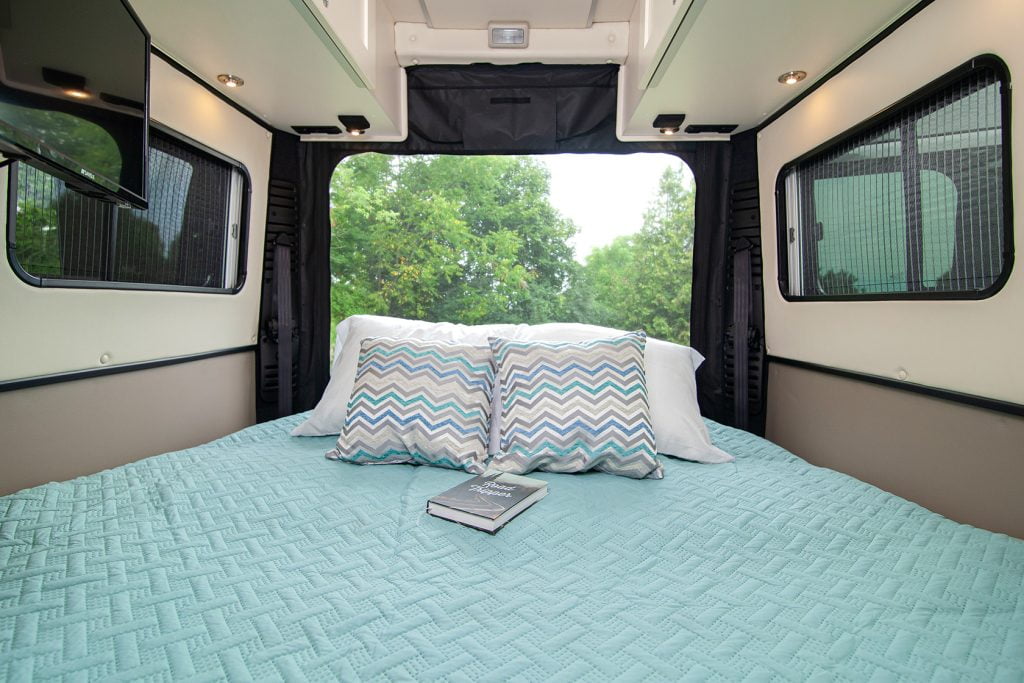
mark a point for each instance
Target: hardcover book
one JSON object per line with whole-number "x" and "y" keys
{"x": 488, "y": 501}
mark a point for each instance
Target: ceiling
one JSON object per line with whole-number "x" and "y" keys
{"x": 291, "y": 77}
{"x": 475, "y": 14}
{"x": 724, "y": 70}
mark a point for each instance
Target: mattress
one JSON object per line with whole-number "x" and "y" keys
{"x": 253, "y": 557}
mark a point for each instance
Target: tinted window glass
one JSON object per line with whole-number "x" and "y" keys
{"x": 188, "y": 237}
{"x": 913, "y": 206}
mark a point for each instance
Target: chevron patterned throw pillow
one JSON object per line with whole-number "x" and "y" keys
{"x": 575, "y": 406}
{"x": 416, "y": 401}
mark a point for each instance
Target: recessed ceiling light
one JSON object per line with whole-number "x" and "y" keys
{"x": 81, "y": 94}
{"x": 669, "y": 130}
{"x": 792, "y": 77}
{"x": 231, "y": 81}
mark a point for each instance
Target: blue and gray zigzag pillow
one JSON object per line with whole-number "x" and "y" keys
{"x": 575, "y": 406}
{"x": 416, "y": 401}
{"x": 566, "y": 406}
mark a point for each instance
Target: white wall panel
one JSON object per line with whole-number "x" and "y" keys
{"x": 52, "y": 330}
{"x": 966, "y": 346}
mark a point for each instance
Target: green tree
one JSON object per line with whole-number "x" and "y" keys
{"x": 608, "y": 279}
{"x": 477, "y": 240}
{"x": 469, "y": 239}
{"x": 53, "y": 221}
{"x": 643, "y": 281}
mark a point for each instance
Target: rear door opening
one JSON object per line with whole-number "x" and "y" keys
{"x": 599, "y": 239}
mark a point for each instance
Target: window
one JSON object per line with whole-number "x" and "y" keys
{"x": 592, "y": 238}
{"x": 190, "y": 238}
{"x": 911, "y": 205}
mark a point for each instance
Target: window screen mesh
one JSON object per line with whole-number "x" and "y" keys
{"x": 182, "y": 239}
{"x": 910, "y": 207}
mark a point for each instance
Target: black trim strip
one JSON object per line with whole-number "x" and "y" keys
{"x": 860, "y": 52}
{"x": 178, "y": 66}
{"x": 934, "y": 392}
{"x": 57, "y": 378}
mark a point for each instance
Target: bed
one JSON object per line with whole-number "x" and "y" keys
{"x": 254, "y": 557}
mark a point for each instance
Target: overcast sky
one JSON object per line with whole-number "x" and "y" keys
{"x": 604, "y": 194}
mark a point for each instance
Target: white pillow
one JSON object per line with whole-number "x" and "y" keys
{"x": 328, "y": 416}
{"x": 679, "y": 430}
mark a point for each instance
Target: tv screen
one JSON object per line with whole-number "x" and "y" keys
{"x": 74, "y": 92}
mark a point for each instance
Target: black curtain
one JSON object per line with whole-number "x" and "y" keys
{"x": 314, "y": 283}
{"x": 708, "y": 312}
{"x": 531, "y": 109}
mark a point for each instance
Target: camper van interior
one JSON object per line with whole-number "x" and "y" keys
{"x": 735, "y": 280}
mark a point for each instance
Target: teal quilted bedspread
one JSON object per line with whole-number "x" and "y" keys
{"x": 253, "y": 557}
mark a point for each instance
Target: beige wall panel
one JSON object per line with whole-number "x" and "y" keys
{"x": 60, "y": 431}
{"x": 965, "y": 346}
{"x": 54, "y": 330}
{"x": 963, "y": 462}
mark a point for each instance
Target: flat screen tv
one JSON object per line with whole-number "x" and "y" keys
{"x": 74, "y": 93}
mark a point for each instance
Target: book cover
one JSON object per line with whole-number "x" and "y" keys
{"x": 488, "y": 495}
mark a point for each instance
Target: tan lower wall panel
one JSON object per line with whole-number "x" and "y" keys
{"x": 61, "y": 431}
{"x": 963, "y": 462}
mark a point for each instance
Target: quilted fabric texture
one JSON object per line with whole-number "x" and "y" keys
{"x": 575, "y": 406}
{"x": 425, "y": 402}
{"x": 253, "y": 558}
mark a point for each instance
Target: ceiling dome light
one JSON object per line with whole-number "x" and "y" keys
{"x": 79, "y": 93}
{"x": 669, "y": 130}
{"x": 231, "y": 81}
{"x": 792, "y": 77}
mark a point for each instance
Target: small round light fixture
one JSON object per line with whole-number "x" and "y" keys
{"x": 231, "y": 81}
{"x": 792, "y": 77}
{"x": 669, "y": 130}
{"x": 354, "y": 131}
{"x": 78, "y": 93}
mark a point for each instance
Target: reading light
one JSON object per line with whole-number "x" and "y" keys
{"x": 231, "y": 81}
{"x": 355, "y": 124}
{"x": 72, "y": 85}
{"x": 668, "y": 124}
{"x": 792, "y": 77}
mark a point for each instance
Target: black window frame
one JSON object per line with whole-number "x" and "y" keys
{"x": 877, "y": 122}
{"x": 64, "y": 283}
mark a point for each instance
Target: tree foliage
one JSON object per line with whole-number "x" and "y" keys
{"x": 60, "y": 233}
{"x": 477, "y": 240}
{"x": 470, "y": 239}
{"x": 643, "y": 281}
